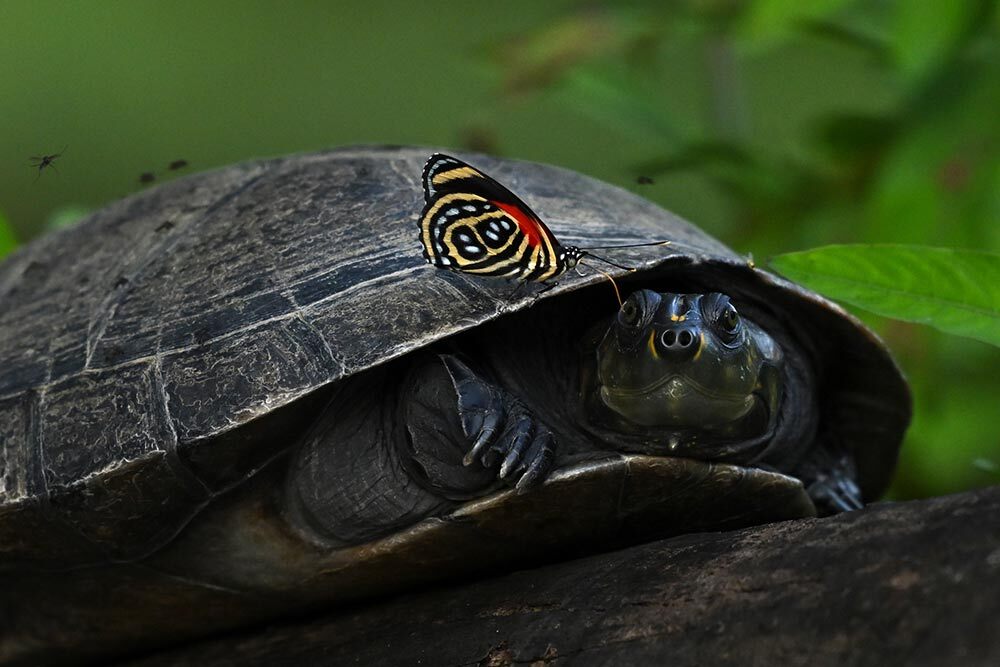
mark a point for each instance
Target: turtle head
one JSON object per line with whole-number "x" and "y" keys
{"x": 685, "y": 362}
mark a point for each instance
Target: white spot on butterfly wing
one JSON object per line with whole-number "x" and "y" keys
{"x": 470, "y": 208}
{"x": 472, "y": 249}
{"x": 505, "y": 223}
{"x": 492, "y": 235}
{"x": 452, "y": 212}
{"x": 464, "y": 238}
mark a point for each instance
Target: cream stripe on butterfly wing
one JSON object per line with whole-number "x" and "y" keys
{"x": 507, "y": 258}
{"x": 442, "y": 173}
{"x": 479, "y": 237}
{"x": 552, "y": 248}
{"x": 466, "y": 239}
{"x": 542, "y": 262}
{"x": 430, "y": 234}
{"x": 495, "y": 229}
{"x": 442, "y": 169}
{"x": 518, "y": 245}
{"x": 554, "y": 266}
{"x": 438, "y": 217}
{"x": 445, "y": 174}
{"x": 464, "y": 244}
{"x": 509, "y": 265}
{"x": 461, "y": 229}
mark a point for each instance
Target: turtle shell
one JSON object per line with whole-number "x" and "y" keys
{"x": 147, "y": 350}
{"x": 161, "y": 354}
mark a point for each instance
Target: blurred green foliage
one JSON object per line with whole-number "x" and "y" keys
{"x": 7, "y": 239}
{"x": 776, "y": 125}
{"x": 818, "y": 123}
{"x": 65, "y": 216}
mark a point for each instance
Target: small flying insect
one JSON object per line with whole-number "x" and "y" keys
{"x": 147, "y": 177}
{"x": 644, "y": 180}
{"x": 43, "y": 161}
{"x": 177, "y": 164}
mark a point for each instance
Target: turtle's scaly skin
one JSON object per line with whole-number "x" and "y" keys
{"x": 157, "y": 354}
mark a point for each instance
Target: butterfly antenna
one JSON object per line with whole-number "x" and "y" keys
{"x": 630, "y": 245}
{"x": 608, "y": 261}
{"x": 618, "y": 295}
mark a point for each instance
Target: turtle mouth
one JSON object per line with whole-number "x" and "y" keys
{"x": 677, "y": 400}
{"x": 673, "y": 385}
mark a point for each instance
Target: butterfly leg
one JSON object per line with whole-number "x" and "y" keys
{"x": 503, "y": 431}
{"x": 520, "y": 285}
{"x": 546, "y": 286}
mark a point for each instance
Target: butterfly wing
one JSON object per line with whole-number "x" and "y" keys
{"x": 472, "y": 223}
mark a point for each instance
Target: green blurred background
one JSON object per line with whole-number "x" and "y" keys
{"x": 775, "y": 125}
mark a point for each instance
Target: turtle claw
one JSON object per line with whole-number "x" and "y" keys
{"x": 830, "y": 480}
{"x": 502, "y": 429}
{"x": 517, "y": 443}
{"x": 527, "y": 448}
{"x": 484, "y": 425}
{"x": 538, "y": 462}
{"x": 837, "y": 495}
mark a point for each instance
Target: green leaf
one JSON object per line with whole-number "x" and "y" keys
{"x": 7, "y": 239}
{"x": 957, "y": 291}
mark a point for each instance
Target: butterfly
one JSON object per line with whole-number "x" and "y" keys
{"x": 473, "y": 224}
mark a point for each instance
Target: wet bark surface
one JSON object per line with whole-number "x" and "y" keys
{"x": 915, "y": 583}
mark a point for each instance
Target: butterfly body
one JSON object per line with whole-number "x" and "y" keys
{"x": 473, "y": 224}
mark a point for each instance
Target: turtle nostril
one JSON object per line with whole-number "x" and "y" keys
{"x": 676, "y": 341}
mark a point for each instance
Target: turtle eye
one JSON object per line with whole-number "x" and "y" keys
{"x": 728, "y": 319}
{"x": 629, "y": 313}
{"x": 719, "y": 311}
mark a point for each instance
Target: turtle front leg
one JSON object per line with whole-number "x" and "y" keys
{"x": 501, "y": 429}
{"x": 830, "y": 478}
{"x": 393, "y": 448}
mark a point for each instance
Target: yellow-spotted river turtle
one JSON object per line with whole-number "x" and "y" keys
{"x": 245, "y": 394}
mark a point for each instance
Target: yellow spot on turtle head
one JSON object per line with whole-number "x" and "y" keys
{"x": 652, "y": 345}
{"x": 678, "y": 318}
{"x": 701, "y": 345}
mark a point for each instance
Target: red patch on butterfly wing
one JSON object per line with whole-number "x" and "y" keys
{"x": 529, "y": 224}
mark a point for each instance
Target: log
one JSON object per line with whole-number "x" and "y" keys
{"x": 909, "y": 583}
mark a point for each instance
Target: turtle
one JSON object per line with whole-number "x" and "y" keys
{"x": 244, "y": 394}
